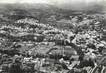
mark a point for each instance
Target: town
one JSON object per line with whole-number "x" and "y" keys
{"x": 52, "y": 42}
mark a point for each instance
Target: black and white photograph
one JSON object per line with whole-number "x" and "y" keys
{"x": 52, "y": 36}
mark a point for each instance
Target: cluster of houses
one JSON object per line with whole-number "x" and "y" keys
{"x": 39, "y": 47}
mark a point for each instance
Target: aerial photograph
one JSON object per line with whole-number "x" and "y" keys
{"x": 52, "y": 36}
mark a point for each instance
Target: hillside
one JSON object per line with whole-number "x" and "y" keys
{"x": 42, "y": 38}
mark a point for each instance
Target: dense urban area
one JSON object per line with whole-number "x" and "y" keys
{"x": 43, "y": 41}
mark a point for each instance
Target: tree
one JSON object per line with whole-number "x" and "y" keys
{"x": 16, "y": 67}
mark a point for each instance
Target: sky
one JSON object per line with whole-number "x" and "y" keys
{"x": 49, "y": 1}
{"x": 67, "y": 4}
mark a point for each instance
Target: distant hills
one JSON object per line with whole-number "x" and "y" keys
{"x": 52, "y": 8}
{"x": 44, "y": 11}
